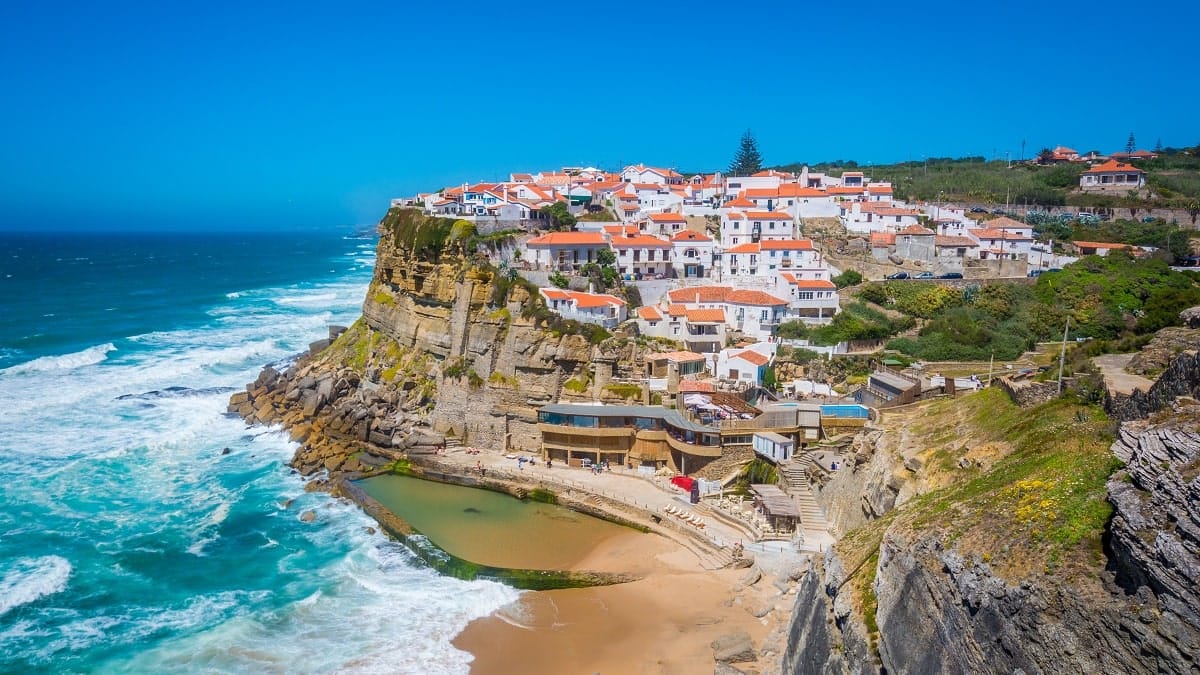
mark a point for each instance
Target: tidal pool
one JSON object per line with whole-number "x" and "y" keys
{"x": 490, "y": 528}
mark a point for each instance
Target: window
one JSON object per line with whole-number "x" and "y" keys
{"x": 805, "y": 295}
{"x": 675, "y": 330}
{"x": 762, "y": 316}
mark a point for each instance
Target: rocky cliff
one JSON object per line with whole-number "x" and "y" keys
{"x": 449, "y": 349}
{"x": 1020, "y": 551}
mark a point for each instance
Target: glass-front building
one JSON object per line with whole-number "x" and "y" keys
{"x": 631, "y": 436}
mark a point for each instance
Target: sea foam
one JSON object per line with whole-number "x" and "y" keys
{"x": 86, "y": 357}
{"x": 32, "y": 578}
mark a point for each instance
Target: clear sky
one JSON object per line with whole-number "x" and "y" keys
{"x": 294, "y": 114}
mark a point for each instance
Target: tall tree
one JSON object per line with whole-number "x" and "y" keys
{"x": 747, "y": 160}
{"x": 1130, "y": 145}
{"x": 1158, "y": 145}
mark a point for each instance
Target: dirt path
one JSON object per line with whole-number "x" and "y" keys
{"x": 1112, "y": 366}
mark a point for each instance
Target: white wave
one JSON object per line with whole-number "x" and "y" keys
{"x": 314, "y": 299}
{"x": 87, "y": 357}
{"x": 234, "y": 295}
{"x": 33, "y": 578}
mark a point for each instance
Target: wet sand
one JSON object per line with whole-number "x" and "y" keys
{"x": 663, "y": 623}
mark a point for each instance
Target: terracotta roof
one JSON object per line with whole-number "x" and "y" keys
{"x": 735, "y": 216}
{"x": 740, "y": 202}
{"x": 650, "y": 313}
{"x": 883, "y": 238}
{"x": 595, "y": 299}
{"x": 677, "y": 357}
{"x": 842, "y": 190}
{"x": 747, "y": 297}
{"x": 1113, "y": 166}
{"x": 752, "y": 356}
{"x": 760, "y": 193}
{"x": 815, "y": 284}
{"x": 709, "y": 315}
{"x": 1004, "y": 235}
{"x": 916, "y": 230}
{"x": 569, "y": 239}
{"x": 797, "y": 190}
{"x": 744, "y": 248}
{"x": 696, "y": 387}
{"x": 786, "y": 245}
{"x": 667, "y": 217}
{"x": 699, "y": 294}
{"x": 879, "y": 188}
{"x": 1005, "y": 223}
{"x": 851, "y": 173}
{"x": 1101, "y": 244}
{"x": 676, "y": 310}
{"x": 768, "y": 215}
{"x": 554, "y": 294}
{"x": 689, "y": 235}
{"x": 640, "y": 241}
{"x": 771, "y": 172}
{"x": 618, "y": 230}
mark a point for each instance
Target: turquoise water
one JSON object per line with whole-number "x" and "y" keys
{"x": 129, "y": 542}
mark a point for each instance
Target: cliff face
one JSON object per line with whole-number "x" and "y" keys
{"x": 448, "y": 347}
{"x": 937, "y": 585}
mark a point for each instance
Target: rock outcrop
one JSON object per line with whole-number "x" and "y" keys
{"x": 1181, "y": 378}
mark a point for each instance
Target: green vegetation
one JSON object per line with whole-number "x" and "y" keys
{"x": 455, "y": 369}
{"x": 577, "y": 385}
{"x": 1172, "y": 239}
{"x": 542, "y": 495}
{"x": 559, "y": 215}
{"x": 384, "y": 298}
{"x": 847, "y": 278}
{"x": 797, "y": 355}
{"x": 856, "y": 321}
{"x": 473, "y": 379}
{"x": 1044, "y": 499}
{"x": 747, "y": 161}
{"x": 626, "y": 391}
{"x": 559, "y": 280}
{"x": 604, "y": 215}
{"x": 759, "y": 472}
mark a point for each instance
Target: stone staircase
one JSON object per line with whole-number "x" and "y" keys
{"x": 794, "y": 478}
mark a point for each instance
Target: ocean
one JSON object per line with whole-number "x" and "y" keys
{"x": 130, "y": 541}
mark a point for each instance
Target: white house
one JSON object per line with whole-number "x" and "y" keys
{"x": 691, "y": 254}
{"x": 773, "y": 446}
{"x": 754, "y": 313}
{"x": 735, "y": 185}
{"x": 566, "y": 251}
{"x": 598, "y": 308}
{"x": 640, "y": 173}
{"x": 1112, "y": 176}
{"x": 745, "y": 365}
{"x": 667, "y": 223}
{"x": 642, "y": 254}
{"x": 863, "y": 217}
{"x": 812, "y": 300}
{"x": 1003, "y": 238}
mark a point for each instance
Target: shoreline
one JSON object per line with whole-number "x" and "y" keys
{"x": 650, "y": 605}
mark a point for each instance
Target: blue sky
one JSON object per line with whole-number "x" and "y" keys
{"x": 277, "y": 115}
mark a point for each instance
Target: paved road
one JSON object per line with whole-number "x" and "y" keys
{"x": 1112, "y": 366}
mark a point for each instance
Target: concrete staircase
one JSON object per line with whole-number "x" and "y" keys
{"x": 794, "y": 479}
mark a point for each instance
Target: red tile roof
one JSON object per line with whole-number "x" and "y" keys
{"x": 760, "y": 193}
{"x": 667, "y": 217}
{"x": 1113, "y": 166}
{"x": 706, "y": 315}
{"x": 952, "y": 241}
{"x": 797, "y": 190}
{"x": 1101, "y": 244}
{"x": 916, "y": 230}
{"x": 752, "y": 356}
{"x": 640, "y": 241}
{"x": 744, "y": 248}
{"x": 595, "y": 299}
{"x": 568, "y": 239}
{"x": 699, "y": 294}
{"x": 650, "y": 313}
{"x": 677, "y": 357}
{"x": 768, "y": 215}
{"x": 747, "y": 297}
{"x": 689, "y": 235}
{"x": 740, "y": 202}
{"x": 696, "y": 387}
{"x": 883, "y": 238}
{"x": 815, "y": 284}
{"x": 676, "y": 310}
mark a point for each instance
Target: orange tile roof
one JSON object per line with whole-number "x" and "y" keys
{"x": 595, "y": 299}
{"x": 1004, "y": 235}
{"x": 676, "y": 310}
{"x": 740, "y": 202}
{"x": 786, "y": 245}
{"x": 760, "y": 193}
{"x": 640, "y": 241}
{"x": 706, "y": 315}
{"x": 947, "y": 241}
{"x": 752, "y": 356}
{"x": 696, "y": 387}
{"x": 879, "y": 188}
{"x": 1101, "y": 244}
{"x": 1113, "y": 166}
{"x": 917, "y": 230}
{"x": 630, "y": 208}
{"x": 744, "y": 248}
{"x": 797, "y": 190}
{"x": 816, "y": 284}
{"x": 883, "y": 238}
{"x": 736, "y": 215}
{"x": 667, "y": 217}
{"x": 650, "y": 313}
{"x": 842, "y": 190}
{"x": 619, "y": 230}
{"x": 851, "y": 173}
{"x": 768, "y": 215}
{"x": 699, "y": 294}
{"x": 568, "y": 239}
{"x": 1005, "y": 223}
{"x": 747, "y": 297}
{"x": 689, "y": 235}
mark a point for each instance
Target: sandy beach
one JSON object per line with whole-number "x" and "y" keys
{"x": 663, "y": 623}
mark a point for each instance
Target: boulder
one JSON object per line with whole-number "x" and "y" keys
{"x": 734, "y": 648}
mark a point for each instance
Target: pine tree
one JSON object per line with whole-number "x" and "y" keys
{"x": 1130, "y": 145}
{"x": 747, "y": 161}
{"x": 1158, "y": 145}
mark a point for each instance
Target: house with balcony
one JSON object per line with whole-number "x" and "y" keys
{"x": 686, "y": 364}
{"x": 626, "y": 435}
{"x": 812, "y": 300}
{"x": 642, "y": 255}
{"x": 755, "y": 313}
{"x": 1112, "y": 176}
{"x": 865, "y": 217}
{"x": 640, "y": 173}
{"x": 1003, "y": 238}
{"x": 745, "y": 366}
{"x": 703, "y": 330}
{"x": 596, "y": 308}
{"x": 691, "y": 254}
{"x": 566, "y": 251}
{"x": 667, "y": 223}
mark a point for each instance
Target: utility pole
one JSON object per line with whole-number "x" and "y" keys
{"x": 1062, "y": 357}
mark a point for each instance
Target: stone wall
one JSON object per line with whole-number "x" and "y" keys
{"x": 1028, "y": 394}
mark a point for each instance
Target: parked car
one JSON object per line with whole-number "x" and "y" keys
{"x": 925, "y": 275}
{"x": 978, "y": 209}
{"x": 997, "y": 212}
{"x": 897, "y": 275}
{"x": 951, "y": 275}
{"x": 1035, "y": 273}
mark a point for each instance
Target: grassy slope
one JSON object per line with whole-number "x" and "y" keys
{"x": 1034, "y": 503}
